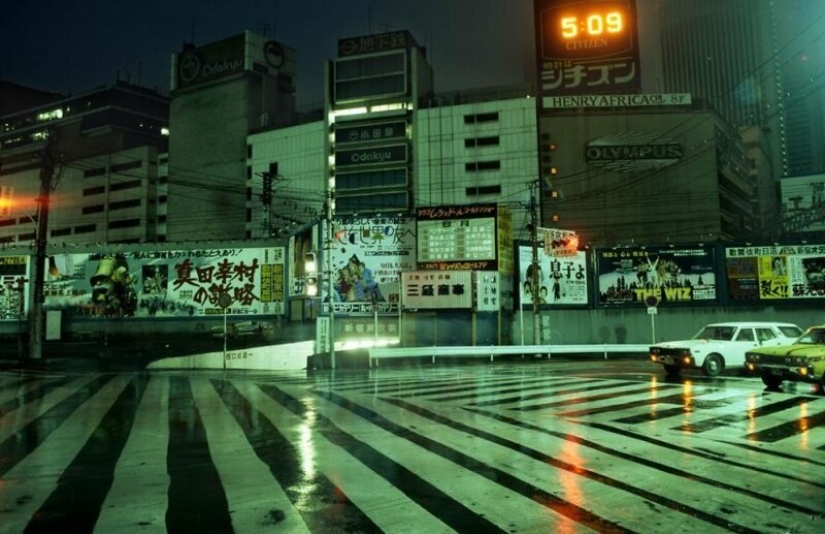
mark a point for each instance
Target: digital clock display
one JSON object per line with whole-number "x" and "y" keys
{"x": 587, "y": 30}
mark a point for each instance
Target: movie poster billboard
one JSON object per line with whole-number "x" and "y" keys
{"x": 771, "y": 273}
{"x": 562, "y": 280}
{"x": 14, "y": 273}
{"x": 167, "y": 283}
{"x": 368, "y": 256}
{"x": 668, "y": 275}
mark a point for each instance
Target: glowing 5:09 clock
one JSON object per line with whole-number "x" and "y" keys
{"x": 587, "y": 30}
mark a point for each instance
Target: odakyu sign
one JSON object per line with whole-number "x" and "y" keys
{"x": 167, "y": 283}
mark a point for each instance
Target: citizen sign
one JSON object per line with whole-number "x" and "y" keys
{"x": 631, "y": 152}
{"x": 371, "y": 156}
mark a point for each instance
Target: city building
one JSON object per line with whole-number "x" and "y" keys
{"x": 106, "y": 149}
{"x": 222, "y": 92}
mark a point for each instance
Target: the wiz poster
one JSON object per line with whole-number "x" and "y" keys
{"x": 167, "y": 283}
{"x": 667, "y": 274}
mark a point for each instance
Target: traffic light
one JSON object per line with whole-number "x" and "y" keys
{"x": 266, "y": 192}
{"x": 310, "y": 274}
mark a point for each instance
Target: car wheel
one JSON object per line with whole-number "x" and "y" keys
{"x": 713, "y": 365}
{"x": 771, "y": 381}
{"x": 672, "y": 370}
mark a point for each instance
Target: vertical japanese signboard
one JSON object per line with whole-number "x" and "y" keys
{"x": 669, "y": 274}
{"x": 13, "y": 287}
{"x": 772, "y": 273}
{"x": 587, "y": 47}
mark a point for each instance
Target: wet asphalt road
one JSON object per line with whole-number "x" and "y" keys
{"x": 545, "y": 446}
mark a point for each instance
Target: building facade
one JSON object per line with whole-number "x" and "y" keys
{"x": 106, "y": 149}
{"x": 221, "y": 92}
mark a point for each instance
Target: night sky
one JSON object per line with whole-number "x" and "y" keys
{"x": 73, "y": 46}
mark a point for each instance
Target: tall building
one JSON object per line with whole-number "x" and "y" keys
{"x": 221, "y": 92}
{"x": 754, "y": 61}
{"x": 801, "y": 36}
{"x": 107, "y": 146}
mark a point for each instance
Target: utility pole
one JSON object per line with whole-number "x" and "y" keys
{"x": 47, "y": 165}
{"x": 330, "y": 246}
{"x": 534, "y": 248}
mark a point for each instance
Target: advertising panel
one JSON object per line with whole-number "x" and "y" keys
{"x": 562, "y": 279}
{"x": 437, "y": 289}
{"x": 368, "y": 256}
{"x": 770, "y": 273}
{"x": 162, "y": 284}
{"x": 587, "y": 47}
{"x": 668, "y": 275}
{"x": 457, "y": 237}
{"x": 13, "y": 287}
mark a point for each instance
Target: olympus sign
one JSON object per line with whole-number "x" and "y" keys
{"x": 665, "y": 151}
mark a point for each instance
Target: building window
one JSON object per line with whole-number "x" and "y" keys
{"x": 126, "y": 166}
{"x": 248, "y": 172}
{"x": 88, "y": 210}
{"x": 26, "y": 237}
{"x": 481, "y": 117}
{"x": 483, "y": 190}
{"x": 85, "y": 229}
{"x": 482, "y": 166}
{"x": 124, "y": 204}
{"x": 98, "y": 171}
{"x": 60, "y": 232}
{"x": 89, "y": 191}
{"x": 125, "y": 223}
{"x": 131, "y": 184}
{"x": 248, "y": 151}
{"x": 7, "y": 222}
{"x": 481, "y": 141}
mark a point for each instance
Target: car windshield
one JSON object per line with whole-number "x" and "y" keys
{"x": 814, "y": 336}
{"x": 722, "y": 333}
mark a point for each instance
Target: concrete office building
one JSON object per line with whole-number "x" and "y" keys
{"x": 221, "y": 92}
{"x": 107, "y": 146}
{"x": 637, "y": 176}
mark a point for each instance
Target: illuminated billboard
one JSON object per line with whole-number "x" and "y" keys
{"x": 368, "y": 256}
{"x": 587, "y": 47}
{"x": 457, "y": 237}
{"x": 14, "y": 287}
{"x": 162, "y": 284}
{"x": 666, "y": 274}
{"x": 772, "y": 273}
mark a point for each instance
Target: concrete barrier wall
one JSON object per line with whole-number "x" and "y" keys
{"x": 635, "y": 325}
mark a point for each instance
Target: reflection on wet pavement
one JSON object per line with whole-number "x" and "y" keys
{"x": 544, "y": 447}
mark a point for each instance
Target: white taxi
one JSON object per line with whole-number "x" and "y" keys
{"x": 719, "y": 346}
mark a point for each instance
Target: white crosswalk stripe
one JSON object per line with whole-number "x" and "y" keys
{"x": 471, "y": 448}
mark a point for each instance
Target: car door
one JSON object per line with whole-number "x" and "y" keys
{"x": 743, "y": 341}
